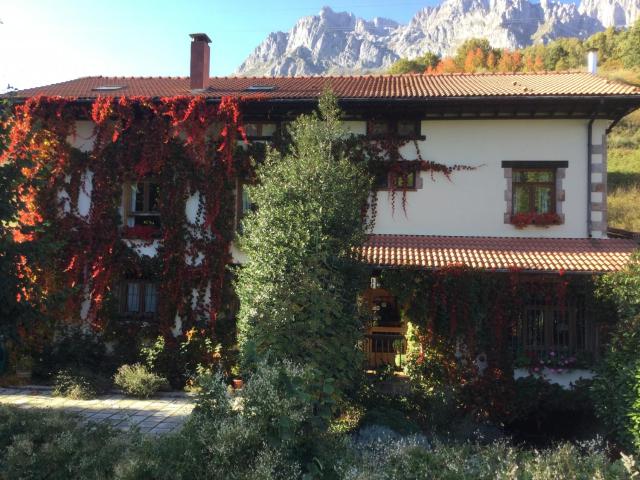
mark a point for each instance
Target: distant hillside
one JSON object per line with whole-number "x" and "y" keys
{"x": 624, "y": 167}
{"x": 333, "y": 42}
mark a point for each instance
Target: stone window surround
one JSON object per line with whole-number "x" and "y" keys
{"x": 508, "y": 166}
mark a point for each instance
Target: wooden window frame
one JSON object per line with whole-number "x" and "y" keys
{"x": 259, "y": 133}
{"x": 577, "y": 318}
{"x": 532, "y": 186}
{"x": 129, "y": 204}
{"x": 124, "y": 300}
{"x": 392, "y": 129}
{"x": 240, "y": 213}
{"x": 391, "y": 177}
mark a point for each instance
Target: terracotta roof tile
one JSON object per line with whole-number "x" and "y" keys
{"x": 367, "y": 86}
{"x": 579, "y": 255}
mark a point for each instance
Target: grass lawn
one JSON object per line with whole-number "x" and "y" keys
{"x": 624, "y": 166}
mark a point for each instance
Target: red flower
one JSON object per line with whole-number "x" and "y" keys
{"x": 521, "y": 220}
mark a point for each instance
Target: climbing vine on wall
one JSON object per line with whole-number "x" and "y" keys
{"x": 458, "y": 313}
{"x": 383, "y": 155}
{"x": 185, "y": 143}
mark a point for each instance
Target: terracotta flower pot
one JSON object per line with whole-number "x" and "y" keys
{"x": 237, "y": 383}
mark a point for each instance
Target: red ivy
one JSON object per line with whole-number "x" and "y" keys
{"x": 143, "y": 131}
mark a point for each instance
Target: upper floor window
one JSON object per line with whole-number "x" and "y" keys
{"x": 139, "y": 298}
{"x": 143, "y": 205}
{"x": 406, "y": 181}
{"x": 260, "y": 130}
{"x": 397, "y": 128}
{"x": 243, "y": 204}
{"x": 533, "y": 190}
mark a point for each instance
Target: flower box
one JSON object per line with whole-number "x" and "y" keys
{"x": 141, "y": 232}
{"x": 521, "y": 220}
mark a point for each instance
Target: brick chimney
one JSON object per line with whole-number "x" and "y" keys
{"x": 200, "y": 53}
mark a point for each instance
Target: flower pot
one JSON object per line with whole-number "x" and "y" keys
{"x": 237, "y": 383}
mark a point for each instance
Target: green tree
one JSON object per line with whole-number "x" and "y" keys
{"x": 417, "y": 65}
{"x": 472, "y": 45}
{"x": 630, "y": 47}
{"x": 616, "y": 389}
{"x": 298, "y": 288}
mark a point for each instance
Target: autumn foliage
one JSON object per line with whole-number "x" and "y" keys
{"x": 186, "y": 143}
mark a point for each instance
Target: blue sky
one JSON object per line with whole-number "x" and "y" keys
{"x": 48, "y": 41}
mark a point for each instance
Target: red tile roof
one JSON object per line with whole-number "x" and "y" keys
{"x": 579, "y": 255}
{"x": 357, "y": 87}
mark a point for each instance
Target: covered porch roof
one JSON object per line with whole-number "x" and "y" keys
{"x": 536, "y": 255}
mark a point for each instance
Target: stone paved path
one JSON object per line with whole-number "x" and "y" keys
{"x": 157, "y": 415}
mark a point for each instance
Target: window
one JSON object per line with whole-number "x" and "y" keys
{"x": 406, "y": 181}
{"x": 546, "y": 326}
{"x": 243, "y": 206}
{"x": 260, "y": 130}
{"x": 397, "y": 128}
{"x": 139, "y": 298}
{"x": 533, "y": 190}
{"x": 144, "y": 204}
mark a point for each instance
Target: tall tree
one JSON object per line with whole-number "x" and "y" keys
{"x": 299, "y": 285}
{"x": 417, "y": 65}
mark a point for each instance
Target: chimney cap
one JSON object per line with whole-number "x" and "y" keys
{"x": 200, "y": 37}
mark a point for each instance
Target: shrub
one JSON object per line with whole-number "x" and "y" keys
{"x": 138, "y": 381}
{"x": 38, "y": 445}
{"x": 279, "y": 432}
{"x": 616, "y": 388}
{"x": 235, "y": 445}
{"x": 73, "y": 348}
{"x": 79, "y": 384}
{"x": 394, "y": 419}
{"x": 412, "y": 458}
{"x": 179, "y": 361}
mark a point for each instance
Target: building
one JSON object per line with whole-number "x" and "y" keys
{"x": 498, "y": 172}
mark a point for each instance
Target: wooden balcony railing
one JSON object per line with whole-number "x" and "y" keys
{"x": 383, "y": 349}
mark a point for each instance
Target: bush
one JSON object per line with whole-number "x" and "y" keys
{"x": 238, "y": 445}
{"x": 79, "y": 384}
{"x": 52, "y": 445}
{"x": 73, "y": 348}
{"x": 616, "y": 388}
{"x": 279, "y": 432}
{"x": 179, "y": 361}
{"x": 411, "y": 458}
{"x": 544, "y": 412}
{"x": 136, "y": 380}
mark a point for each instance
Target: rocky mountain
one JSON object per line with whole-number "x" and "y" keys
{"x": 340, "y": 42}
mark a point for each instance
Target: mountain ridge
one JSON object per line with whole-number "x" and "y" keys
{"x": 341, "y": 43}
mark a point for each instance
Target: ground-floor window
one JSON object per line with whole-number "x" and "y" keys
{"x": 139, "y": 298}
{"x": 562, "y": 327}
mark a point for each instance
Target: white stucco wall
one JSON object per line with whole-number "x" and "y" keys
{"x": 565, "y": 380}
{"x": 473, "y": 203}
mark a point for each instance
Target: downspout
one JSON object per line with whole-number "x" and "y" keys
{"x": 589, "y": 138}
